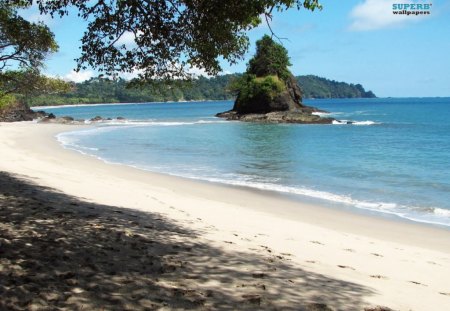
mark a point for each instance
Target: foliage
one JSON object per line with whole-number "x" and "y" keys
{"x": 103, "y": 90}
{"x": 266, "y": 76}
{"x": 317, "y": 87}
{"x": 167, "y": 36}
{"x": 22, "y": 44}
{"x": 271, "y": 58}
{"x": 31, "y": 82}
{"x": 261, "y": 89}
{"x": 7, "y": 101}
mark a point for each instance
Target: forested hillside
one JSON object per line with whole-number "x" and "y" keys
{"x": 104, "y": 90}
{"x": 317, "y": 87}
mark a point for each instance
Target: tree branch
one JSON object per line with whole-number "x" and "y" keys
{"x": 268, "y": 17}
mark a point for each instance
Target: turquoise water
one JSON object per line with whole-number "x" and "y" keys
{"x": 395, "y": 160}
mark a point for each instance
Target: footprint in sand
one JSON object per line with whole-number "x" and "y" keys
{"x": 349, "y": 250}
{"x": 417, "y": 283}
{"x": 316, "y": 242}
{"x": 266, "y": 248}
{"x": 252, "y": 299}
{"x": 258, "y": 275}
{"x": 445, "y": 294}
{"x": 346, "y": 267}
{"x": 377, "y": 255}
{"x": 377, "y": 276}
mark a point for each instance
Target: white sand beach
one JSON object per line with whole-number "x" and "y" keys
{"x": 167, "y": 243}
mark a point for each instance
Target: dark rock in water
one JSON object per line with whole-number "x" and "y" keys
{"x": 290, "y": 99}
{"x": 67, "y": 118}
{"x": 120, "y": 118}
{"x": 277, "y": 117}
{"x": 286, "y": 107}
{"x": 61, "y": 120}
{"x": 97, "y": 118}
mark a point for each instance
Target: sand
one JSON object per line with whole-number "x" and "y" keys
{"x": 80, "y": 234}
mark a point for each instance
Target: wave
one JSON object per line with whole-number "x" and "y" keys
{"x": 91, "y": 105}
{"x": 431, "y": 215}
{"x": 350, "y": 122}
{"x": 327, "y": 114}
{"x": 320, "y": 114}
{"x": 151, "y": 122}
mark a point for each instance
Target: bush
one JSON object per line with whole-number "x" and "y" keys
{"x": 259, "y": 88}
{"x": 7, "y": 101}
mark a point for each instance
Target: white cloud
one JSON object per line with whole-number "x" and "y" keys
{"x": 79, "y": 76}
{"x": 128, "y": 39}
{"x": 197, "y": 72}
{"x": 131, "y": 75}
{"x": 377, "y": 14}
{"x": 33, "y": 15}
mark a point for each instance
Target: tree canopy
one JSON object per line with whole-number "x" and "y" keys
{"x": 23, "y": 49}
{"x": 168, "y": 36}
{"x": 271, "y": 58}
{"x": 266, "y": 78}
{"x": 23, "y": 44}
{"x": 103, "y": 90}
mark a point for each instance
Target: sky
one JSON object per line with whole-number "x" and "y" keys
{"x": 355, "y": 41}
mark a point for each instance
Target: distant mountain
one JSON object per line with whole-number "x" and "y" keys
{"x": 104, "y": 90}
{"x": 317, "y": 87}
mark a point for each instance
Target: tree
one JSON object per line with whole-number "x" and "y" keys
{"x": 169, "y": 36}
{"x": 271, "y": 59}
{"x": 26, "y": 84}
{"x": 23, "y": 44}
{"x": 266, "y": 79}
{"x": 24, "y": 47}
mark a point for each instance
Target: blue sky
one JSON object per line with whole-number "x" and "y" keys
{"x": 356, "y": 41}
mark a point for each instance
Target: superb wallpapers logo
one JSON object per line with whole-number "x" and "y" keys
{"x": 411, "y": 8}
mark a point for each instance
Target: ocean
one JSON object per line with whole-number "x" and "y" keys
{"x": 394, "y": 160}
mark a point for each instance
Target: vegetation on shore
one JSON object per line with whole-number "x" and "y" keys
{"x": 317, "y": 87}
{"x": 24, "y": 46}
{"x": 104, "y": 90}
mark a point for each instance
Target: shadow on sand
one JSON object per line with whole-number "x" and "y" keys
{"x": 59, "y": 252}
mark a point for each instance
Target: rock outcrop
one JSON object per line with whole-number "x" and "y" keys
{"x": 285, "y": 107}
{"x": 19, "y": 112}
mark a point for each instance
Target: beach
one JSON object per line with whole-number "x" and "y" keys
{"x": 81, "y": 234}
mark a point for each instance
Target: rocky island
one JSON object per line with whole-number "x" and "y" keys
{"x": 268, "y": 92}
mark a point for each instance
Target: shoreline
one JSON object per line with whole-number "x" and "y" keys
{"x": 139, "y": 103}
{"x": 314, "y": 201}
{"x": 388, "y": 256}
